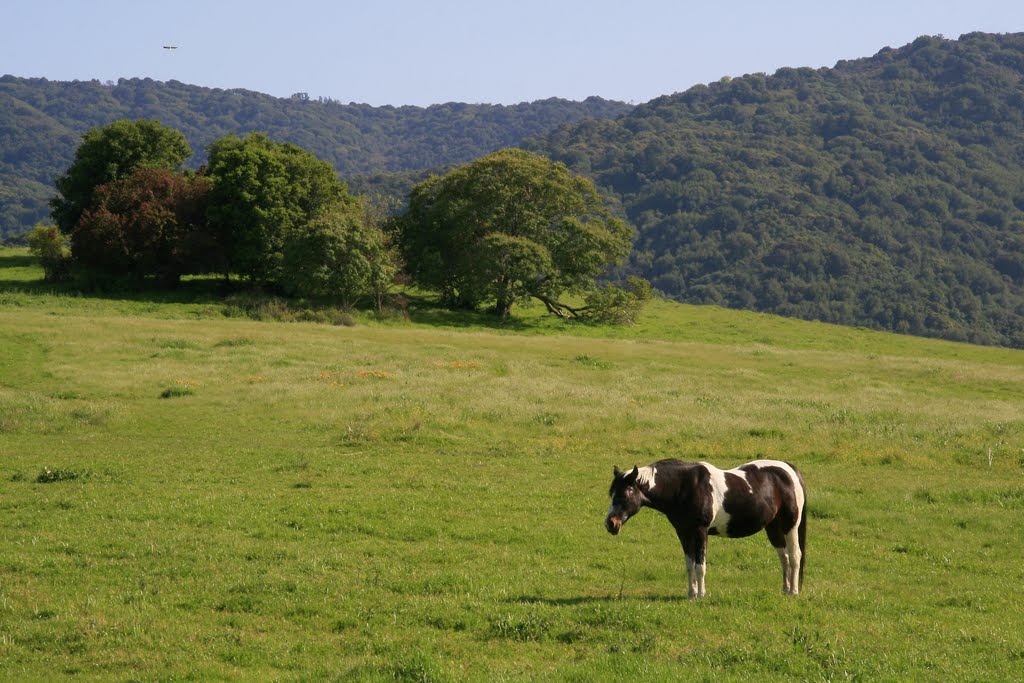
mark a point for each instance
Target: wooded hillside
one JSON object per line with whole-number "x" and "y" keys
{"x": 42, "y": 121}
{"x": 886, "y": 192}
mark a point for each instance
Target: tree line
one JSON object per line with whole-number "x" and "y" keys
{"x": 508, "y": 227}
{"x": 41, "y": 123}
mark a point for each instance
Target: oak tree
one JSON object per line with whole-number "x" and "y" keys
{"x": 507, "y": 227}
{"x": 337, "y": 255}
{"x": 262, "y": 191}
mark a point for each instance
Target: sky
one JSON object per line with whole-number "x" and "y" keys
{"x": 394, "y": 52}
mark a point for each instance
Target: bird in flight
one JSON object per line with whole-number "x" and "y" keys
{"x": 170, "y": 47}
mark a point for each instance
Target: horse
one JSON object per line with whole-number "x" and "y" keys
{"x": 701, "y": 500}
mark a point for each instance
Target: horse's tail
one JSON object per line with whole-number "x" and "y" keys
{"x": 802, "y": 534}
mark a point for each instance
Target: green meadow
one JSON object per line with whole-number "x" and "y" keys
{"x": 187, "y": 493}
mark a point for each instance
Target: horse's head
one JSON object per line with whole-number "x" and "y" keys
{"x": 627, "y": 499}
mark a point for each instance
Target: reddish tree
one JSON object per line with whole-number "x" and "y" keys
{"x": 152, "y": 222}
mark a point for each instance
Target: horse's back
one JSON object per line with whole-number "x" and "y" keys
{"x": 792, "y": 475}
{"x": 786, "y": 480}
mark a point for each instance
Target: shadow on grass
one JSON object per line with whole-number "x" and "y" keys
{"x": 592, "y": 599}
{"x": 421, "y": 309}
{"x": 199, "y": 291}
{"x": 17, "y": 261}
{"x": 427, "y": 311}
{"x": 217, "y": 291}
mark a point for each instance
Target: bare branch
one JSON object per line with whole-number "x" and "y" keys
{"x": 558, "y": 308}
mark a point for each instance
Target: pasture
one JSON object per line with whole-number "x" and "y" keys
{"x": 185, "y": 495}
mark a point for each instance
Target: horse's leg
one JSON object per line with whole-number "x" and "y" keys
{"x": 694, "y": 544}
{"x": 687, "y": 542}
{"x": 795, "y": 556}
{"x": 778, "y": 541}
{"x": 701, "y": 565}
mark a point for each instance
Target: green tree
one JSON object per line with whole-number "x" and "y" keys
{"x": 263, "y": 190}
{"x": 509, "y": 226}
{"x": 337, "y": 255}
{"x": 111, "y": 153}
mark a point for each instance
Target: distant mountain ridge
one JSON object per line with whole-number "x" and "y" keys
{"x": 886, "y": 191}
{"x": 41, "y": 123}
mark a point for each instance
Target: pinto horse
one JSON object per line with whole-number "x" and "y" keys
{"x": 700, "y": 500}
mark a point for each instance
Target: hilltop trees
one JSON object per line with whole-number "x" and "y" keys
{"x": 509, "y": 226}
{"x": 41, "y": 122}
{"x": 269, "y": 212}
{"x": 885, "y": 192}
{"x": 264, "y": 191}
{"x": 110, "y": 153}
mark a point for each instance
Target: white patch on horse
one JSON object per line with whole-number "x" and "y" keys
{"x": 719, "y": 517}
{"x": 787, "y": 575}
{"x": 693, "y": 588}
{"x": 645, "y": 476}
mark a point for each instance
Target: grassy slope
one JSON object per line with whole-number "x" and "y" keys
{"x": 424, "y": 502}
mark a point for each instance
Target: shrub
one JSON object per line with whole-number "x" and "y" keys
{"x": 177, "y": 391}
{"x": 48, "y": 476}
{"x": 611, "y": 304}
{"x": 257, "y": 307}
{"x": 46, "y": 243}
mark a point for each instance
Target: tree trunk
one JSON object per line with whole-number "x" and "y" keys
{"x": 503, "y": 308}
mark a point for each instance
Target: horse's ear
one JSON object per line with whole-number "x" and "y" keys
{"x": 633, "y": 474}
{"x": 616, "y": 471}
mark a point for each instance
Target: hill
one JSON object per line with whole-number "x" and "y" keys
{"x": 408, "y": 500}
{"x": 886, "y": 191}
{"x": 41, "y": 123}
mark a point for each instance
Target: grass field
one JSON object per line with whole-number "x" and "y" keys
{"x": 185, "y": 495}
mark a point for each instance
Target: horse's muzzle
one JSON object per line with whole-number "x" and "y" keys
{"x": 613, "y": 524}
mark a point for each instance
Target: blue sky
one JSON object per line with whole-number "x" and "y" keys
{"x": 433, "y": 51}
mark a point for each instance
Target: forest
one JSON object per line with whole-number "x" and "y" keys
{"x": 886, "y": 192}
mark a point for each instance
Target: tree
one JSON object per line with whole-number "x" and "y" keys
{"x": 509, "y": 226}
{"x": 111, "y": 153}
{"x": 152, "y": 222}
{"x": 262, "y": 191}
{"x": 337, "y": 255}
